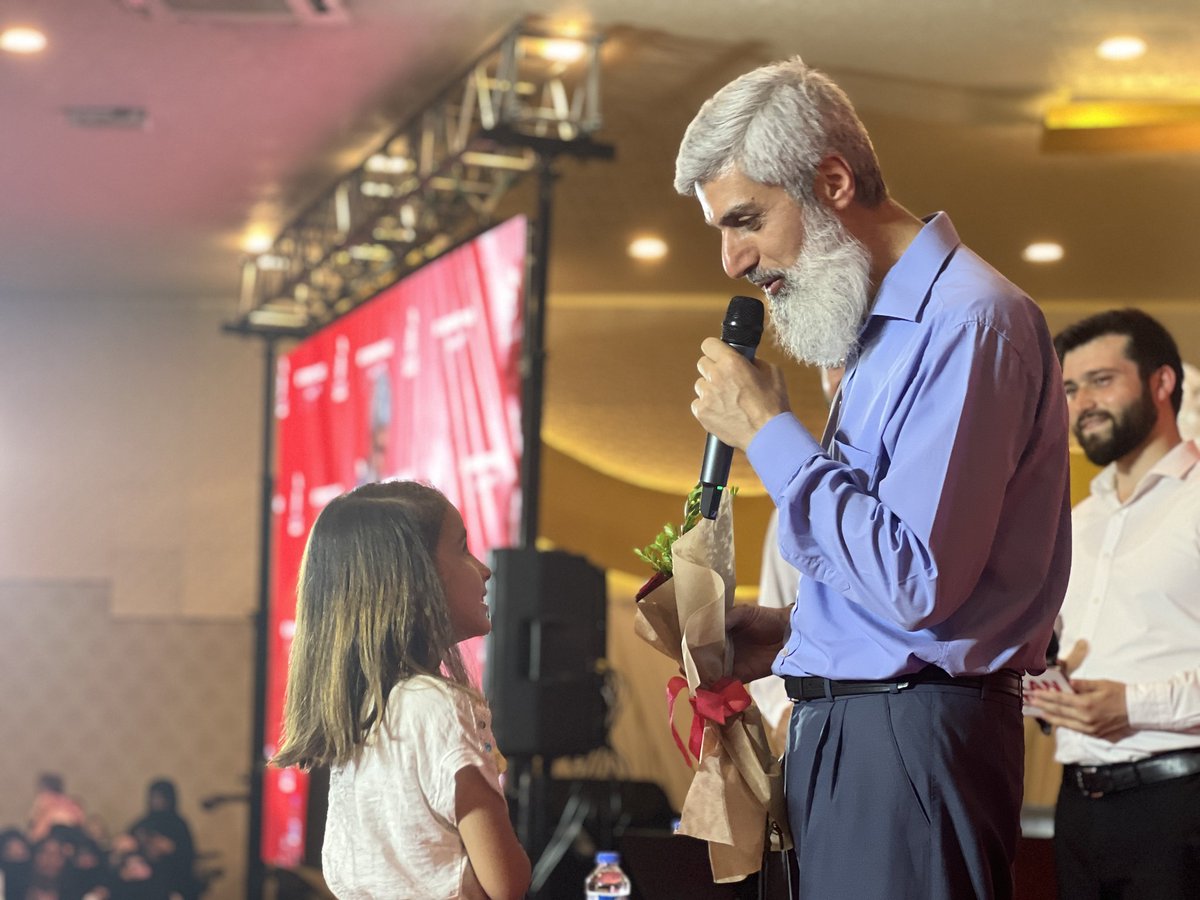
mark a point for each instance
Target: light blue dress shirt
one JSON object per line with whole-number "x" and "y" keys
{"x": 936, "y": 526}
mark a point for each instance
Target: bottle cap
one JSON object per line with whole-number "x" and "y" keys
{"x": 608, "y": 858}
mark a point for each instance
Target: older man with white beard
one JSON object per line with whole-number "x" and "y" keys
{"x": 930, "y": 525}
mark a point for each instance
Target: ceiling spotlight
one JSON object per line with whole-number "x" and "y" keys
{"x": 1042, "y": 252}
{"x": 22, "y": 40}
{"x": 562, "y": 50}
{"x": 257, "y": 241}
{"x": 565, "y": 44}
{"x": 382, "y": 163}
{"x": 1121, "y": 47}
{"x": 648, "y": 248}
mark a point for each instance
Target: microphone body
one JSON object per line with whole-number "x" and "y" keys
{"x": 741, "y": 330}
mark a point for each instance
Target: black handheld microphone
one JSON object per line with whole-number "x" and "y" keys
{"x": 741, "y": 330}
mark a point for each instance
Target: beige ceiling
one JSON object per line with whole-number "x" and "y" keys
{"x": 247, "y": 122}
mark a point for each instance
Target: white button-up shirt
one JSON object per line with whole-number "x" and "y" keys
{"x": 1134, "y": 596}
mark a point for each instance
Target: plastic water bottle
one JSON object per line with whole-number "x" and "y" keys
{"x": 607, "y": 881}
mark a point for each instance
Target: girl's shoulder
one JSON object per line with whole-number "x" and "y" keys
{"x": 445, "y": 721}
{"x": 428, "y": 695}
{"x": 418, "y": 683}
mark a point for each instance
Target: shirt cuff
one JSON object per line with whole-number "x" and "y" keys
{"x": 1148, "y": 708}
{"x": 779, "y": 449}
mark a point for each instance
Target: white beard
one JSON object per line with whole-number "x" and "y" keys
{"x": 823, "y": 300}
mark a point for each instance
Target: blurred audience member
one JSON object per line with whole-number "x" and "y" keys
{"x": 63, "y": 856}
{"x": 87, "y": 876}
{"x": 49, "y": 862}
{"x": 135, "y": 879}
{"x": 97, "y": 829}
{"x": 52, "y": 806}
{"x": 165, "y": 840}
{"x": 14, "y": 863}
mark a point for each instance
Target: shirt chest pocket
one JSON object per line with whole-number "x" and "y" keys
{"x": 864, "y": 466}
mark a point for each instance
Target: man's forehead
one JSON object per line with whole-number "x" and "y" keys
{"x": 730, "y": 195}
{"x": 1106, "y": 351}
{"x": 1111, "y": 344}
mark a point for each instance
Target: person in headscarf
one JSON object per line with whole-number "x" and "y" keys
{"x": 165, "y": 840}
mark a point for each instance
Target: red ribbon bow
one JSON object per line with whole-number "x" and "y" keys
{"x": 725, "y": 699}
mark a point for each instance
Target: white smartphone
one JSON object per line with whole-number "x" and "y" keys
{"x": 1052, "y": 679}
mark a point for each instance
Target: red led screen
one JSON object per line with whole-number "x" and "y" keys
{"x": 421, "y": 382}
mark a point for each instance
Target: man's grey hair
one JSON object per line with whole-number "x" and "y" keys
{"x": 774, "y": 125}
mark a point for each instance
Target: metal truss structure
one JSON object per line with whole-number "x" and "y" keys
{"x": 435, "y": 182}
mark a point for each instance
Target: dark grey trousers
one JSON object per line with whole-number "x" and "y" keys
{"x": 1139, "y": 844}
{"x": 913, "y": 795}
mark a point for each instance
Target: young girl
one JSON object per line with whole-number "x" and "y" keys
{"x": 377, "y": 691}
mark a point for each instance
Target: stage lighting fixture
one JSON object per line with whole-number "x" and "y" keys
{"x": 531, "y": 97}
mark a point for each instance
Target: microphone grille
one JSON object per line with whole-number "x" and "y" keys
{"x": 743, "y": 322}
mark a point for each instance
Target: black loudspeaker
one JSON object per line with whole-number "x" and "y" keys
{"x": 544, "y": 674}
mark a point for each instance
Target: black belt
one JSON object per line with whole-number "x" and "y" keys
{"x": 1096, "y": 781}
{"x": 1004, "y": 682}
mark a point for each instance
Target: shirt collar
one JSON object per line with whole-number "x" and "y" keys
{"x": 906, "y": 285}
{"x": 1177, "y": 463}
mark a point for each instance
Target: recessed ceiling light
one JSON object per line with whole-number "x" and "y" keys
{"x": 648, "y": 247}
{"x": 1121, "y": 47}
{"x": 1042, "y": 252}
{"x": 19, "y": 39}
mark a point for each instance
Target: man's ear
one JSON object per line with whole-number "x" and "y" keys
{"x": 834, "y": 183}
{"x": 1162, "y": 384}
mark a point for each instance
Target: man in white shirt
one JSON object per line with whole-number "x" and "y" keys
{"x": 1127, "y": 823}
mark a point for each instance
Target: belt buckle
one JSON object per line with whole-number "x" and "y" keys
{"x": 1080, "y": 772}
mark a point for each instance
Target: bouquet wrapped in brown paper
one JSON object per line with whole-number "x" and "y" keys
{"x": 735, "y": 801}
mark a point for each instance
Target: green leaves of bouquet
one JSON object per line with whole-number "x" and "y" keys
{"x": 658, "y": 552}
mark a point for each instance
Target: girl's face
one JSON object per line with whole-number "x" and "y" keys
{"x": 463, "y": 579}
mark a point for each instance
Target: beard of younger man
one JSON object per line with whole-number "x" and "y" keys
{"x": 824, "y": 295}
{"x": 1131, "y": 426}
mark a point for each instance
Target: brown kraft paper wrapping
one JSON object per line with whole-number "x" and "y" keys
{"x": 735, "y": 801}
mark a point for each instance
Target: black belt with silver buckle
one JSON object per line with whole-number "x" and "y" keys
{"x": 1096, "y": 781}
{"x": 1006, "y": 682}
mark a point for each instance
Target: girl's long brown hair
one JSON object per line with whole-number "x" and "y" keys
{"x": 370, "y": 612}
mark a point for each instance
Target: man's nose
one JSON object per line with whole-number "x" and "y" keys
{"x": 738, "y": 255}
{"x": 1083, "y": 400}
